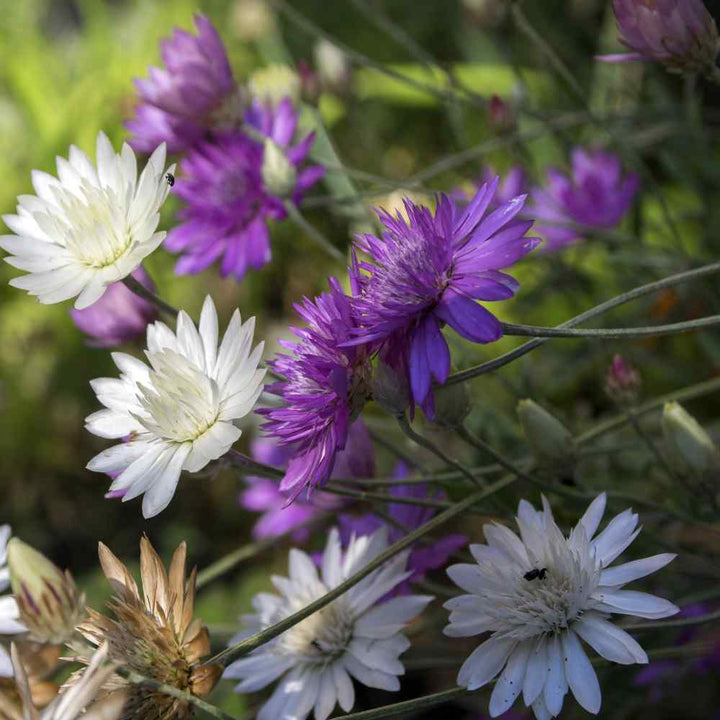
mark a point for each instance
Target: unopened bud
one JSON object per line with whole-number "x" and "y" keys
{"x": 278, "y": 173}
{"x": 452, "y": 405}
{"x": 273, "y": 83}
{"x": 309, "y": 83}
{"x": 550, "y": 441}
{"x": 688, "y": 448}
{"x": 253, "y": 19}
{"x": 48, "y": 600}
{"x": 390, "y": 389}
{"x": 622, "y": 382}
{"x": 501, "y": 115}
{"x": 333, "y": 66}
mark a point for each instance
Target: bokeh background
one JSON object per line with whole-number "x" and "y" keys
{"x": 66, "y": 71}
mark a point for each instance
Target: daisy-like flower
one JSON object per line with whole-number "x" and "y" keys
{"x": 429, "y": 270}
{"x": 232, "y": 185}
{"x": 539, "y": 595}
{"x": 154, "y": 634}
{"x": 356, "y": 636}
{"x": 88, "y": 228}
{"x": 119, "y": 315}
{"x": 80, "y": 699}
{"x": 325, "y": 385}
{"x": 180, "y": 412}
{"x": 9, "y": 612}
{"x": 595, "y": 195}
{"x": 357, "y": 460}
{"x": 680, "y": 34}
{"x": 193, "y": 93}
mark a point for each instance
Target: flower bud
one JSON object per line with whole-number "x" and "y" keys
{"x": 278, "y": 173}
{"x": 390, "y": 389}
{"x": 501, "y": 116}
{"x": 622, "y": 382}
{"x": 309, "y": 83}
{"x": 452, "y": 405}
{"x": 252, "y": 19}
{"x": 550, "y": 441}
{"x": 273, "y": 83}
{"x": 48, "y": 600}
{"x": 688, "y": 448}
{"x": 333, "y": 66}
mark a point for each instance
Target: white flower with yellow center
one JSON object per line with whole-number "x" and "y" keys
{"x": 9, "y": 613}
{"x": 539, "y": 595}
{"x": 89, "y": 227}
{"x": 356, "y": 636}
{"x": 180, "y": 412}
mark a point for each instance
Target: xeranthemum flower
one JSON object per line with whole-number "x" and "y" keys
{"x": 430, "y": 270}
{"x": 88, "y": 229}
{"x": 681, "y": 34}
{"x": 9, "y": 613}
{"x": 228, "y": 202}
{"x": 181, "y": 411}
{"x": 356, "y": 636}
{"x": 538, "y": 595}
{"x": 192, "y": 93}
{"x": 324, "y": 386}
{"x": 596, "y": 195}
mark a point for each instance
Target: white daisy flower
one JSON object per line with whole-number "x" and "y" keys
{"x": 539, "y": 595}
{"x": 9, "y": 613}
{"x": 88, "y": 229}
{"x": 180, "y": 412}
{"x": 356, "y": 636}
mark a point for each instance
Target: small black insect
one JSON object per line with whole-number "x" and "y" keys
{"x": 535, "y": 573}
{"x": 170, "y": 179}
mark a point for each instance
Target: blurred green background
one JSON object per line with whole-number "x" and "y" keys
{"x": 66, "y": 70}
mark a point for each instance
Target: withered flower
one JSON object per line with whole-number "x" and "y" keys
{"x": 154, "y": 634}
{"x": 31, "y": 686}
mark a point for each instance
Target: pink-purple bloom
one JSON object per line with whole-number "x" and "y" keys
{"x": 681, "y": 34}
{"x": 594, "y": 196}
{"x": 323, "y": 388}
{"x": 406, "y": 517}
{"x": 227, "y": 205}
{"x": 262, "y": 495}
{"x": 430, "y": 270}
{"x": 118, "y": 316}
{"x": 182, "y": 101}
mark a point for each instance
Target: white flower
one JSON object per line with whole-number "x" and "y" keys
{"x": 9, "y": 614}
{"x": 180, "y": 412}
{"x": 352, "y": 637}
{"x": 89, "y": 228}
{"x": 538, "y": 596}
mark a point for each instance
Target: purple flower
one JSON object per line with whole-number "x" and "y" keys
{"x": 406, "y": 517}
{"x": 227, "y": 202}
{"x": 430, "y": 270}
{"x": 622, "y": 381}
{"x": 324, "y": 386}
{"x": 118, "y": 316}
{"x": 596, "y": 196}
{"x": 681, "y": 34}
{"x": 262, "y": 495}
{"x": 178, "y": 102}
{"x": 513, "y": 184}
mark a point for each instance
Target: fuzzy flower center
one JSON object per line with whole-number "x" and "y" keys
{"x": 320, "y": 638}
{"x": 93, "y": 225}
{"x": 181, "y": 402}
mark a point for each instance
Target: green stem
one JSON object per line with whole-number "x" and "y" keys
{"x": 604, "y": 307}
{"x": 264, "y": 636}
{"x": 252, "y": 466}
{"x": 409, "y": 706}
{"x": 612, "y": 333}
{"x": 139, "y": 289}
{"x": 682, "y": 622}
{"x": 363, "y": 496}
{"x": 299, "y": 219}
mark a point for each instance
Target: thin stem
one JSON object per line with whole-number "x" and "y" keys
{"x": 604, "y": 307}
{"x": 612, "y": 333}
{"x": 399, "y": 452}
{"x": 384, "y": 497}
{"x": 407, "y": 706}
{"x": 139, "y": 289}
{"x": 650, "y": 443}
{"x": 210, "y": 709}
{"x": 299, "y": 219}
{"x": 264, "y": 636}
{"x": 252, "y": 466}
{"x": 435, "y": 450}
{"x": 231, "y": 560}
{"x": 682, "y": 622}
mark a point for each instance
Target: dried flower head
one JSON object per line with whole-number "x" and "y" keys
{"x": 153, "y": 634}
{"x": 37, "y": 663}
